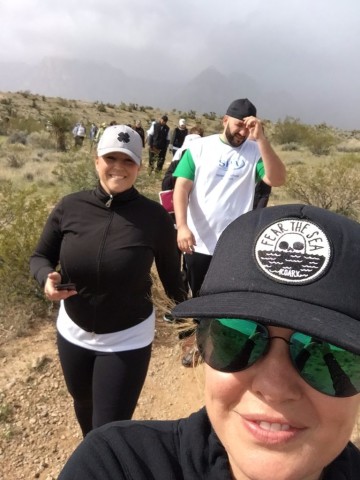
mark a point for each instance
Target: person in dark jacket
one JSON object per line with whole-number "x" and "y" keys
{"x": 158, "y": 140}
{"x": 139, "y": 129}
{"x": 264, "y": 418}
{"x": 104, "y": 241}
{"x": 178, "y": 136}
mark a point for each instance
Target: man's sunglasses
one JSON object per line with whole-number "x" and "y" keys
{"x": 231, "y": 345}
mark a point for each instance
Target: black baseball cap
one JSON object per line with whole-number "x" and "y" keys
{"x": 241, "y": 108}
{"x": 293, "y": 266}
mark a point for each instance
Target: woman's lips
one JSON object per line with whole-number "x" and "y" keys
{"x": 271, "y": 431}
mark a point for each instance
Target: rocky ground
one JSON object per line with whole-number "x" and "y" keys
{"x": 38, "y": 429}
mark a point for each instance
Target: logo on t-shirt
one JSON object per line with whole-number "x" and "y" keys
{"x": 231, "y": 163}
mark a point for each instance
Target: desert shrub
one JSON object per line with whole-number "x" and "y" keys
{"x": 350, "y": 146}
{"x": 290, "y": 147}
{"x": 290, "y": 131}
{"x": 14, "y": 160}
{"x": 42, "y": 139}
{"x": 191, "y": 114}
{"x": 23, "y": 214}
{"x": 320, "y": 140}
{"x": 25, "y": 93}
{"x": 18, "y": 137}
{"x": 101, "y": 108}
{"x": 61, "y": 125}
{"x": 334, "y": 185}
{"x": 77, "y": 173}
{"x": 27, "y": 124}
{"x": 210, "y": 116}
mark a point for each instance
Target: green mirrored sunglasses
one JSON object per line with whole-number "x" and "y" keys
{"x": 232, "y": 344}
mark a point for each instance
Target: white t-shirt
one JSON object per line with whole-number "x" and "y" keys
{"x": 224, "y": 184}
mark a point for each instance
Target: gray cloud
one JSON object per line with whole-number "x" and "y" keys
{"x": 308, "y": 49}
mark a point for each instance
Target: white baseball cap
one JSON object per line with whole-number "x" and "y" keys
{"x": 121, "y": 138}
{"x": 182, "y": 122}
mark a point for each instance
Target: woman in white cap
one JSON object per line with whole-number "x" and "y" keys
{"x": 95, "y": 256}
{"x": 279, "y": 333}
{"x": 178, "y": 136}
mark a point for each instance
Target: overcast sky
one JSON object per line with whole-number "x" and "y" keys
{"x": 310, "y": 48}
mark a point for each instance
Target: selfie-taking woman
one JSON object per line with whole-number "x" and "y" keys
{"x": 105, "y": 241}
{"x": 279, "y": 333}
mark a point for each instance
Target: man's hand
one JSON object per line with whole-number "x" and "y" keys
{"x": 185, "y": 239}
{"x": 254, "y": 125}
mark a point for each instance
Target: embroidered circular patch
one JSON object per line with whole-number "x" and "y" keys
{"x": 293, "y": 251}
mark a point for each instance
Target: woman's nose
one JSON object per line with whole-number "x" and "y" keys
{"x": 274, "y": 377}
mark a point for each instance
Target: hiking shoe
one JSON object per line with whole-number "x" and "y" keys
{"x": 191, "y": 358}
{"x": 191, "y": 354}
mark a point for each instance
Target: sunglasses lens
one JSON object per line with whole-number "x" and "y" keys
{"x": 327, "y": 368}
{"x": 230, "y": 345}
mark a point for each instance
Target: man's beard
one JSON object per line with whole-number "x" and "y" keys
{"x": 233, "y": 140}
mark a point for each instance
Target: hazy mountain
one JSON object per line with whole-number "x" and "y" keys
{"x": 209, "y": 91}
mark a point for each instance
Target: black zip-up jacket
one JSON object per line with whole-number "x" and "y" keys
{"x": 186, "y": 449}
{"x": 106, "y": 246}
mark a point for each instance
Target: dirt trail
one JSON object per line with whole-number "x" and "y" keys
{"x": 38, "y": 430}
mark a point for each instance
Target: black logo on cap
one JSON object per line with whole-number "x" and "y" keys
{"x": 293, "y": 251}
{"x": 124, "y": 137}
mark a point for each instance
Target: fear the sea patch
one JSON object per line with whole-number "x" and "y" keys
{"x": 293, "y": 251}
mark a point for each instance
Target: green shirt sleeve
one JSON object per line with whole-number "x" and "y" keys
{"x": 260, "y": 170}
{"x": 186, "y": 167}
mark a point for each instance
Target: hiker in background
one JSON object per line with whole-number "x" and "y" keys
{"x": 104, "y": 242}
{"x": 265, "y": 416}
{"x": 168, "y": 182}
{"x": 92, "y": 134}
{"x": 159, "y": 139}
{"x": 100, "y": 131}
{"x": 79, "y": 133}
{"x": 167, "y": 185}
{"x": 178, "y": 136}
{"x": 138, "y": 128}
{"x": 93, "y": 131}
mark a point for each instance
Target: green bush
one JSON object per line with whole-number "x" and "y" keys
{"x": 320, "y": 140}
{"x": 334, "y": 185}
{"x": 23, "y": 214}
{"x": 61, "y": 126}
{"x": 76, "y": 172}
{"x": 290, "y": 131}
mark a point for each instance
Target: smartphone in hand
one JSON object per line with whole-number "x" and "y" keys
{"x": 65, "y": 286}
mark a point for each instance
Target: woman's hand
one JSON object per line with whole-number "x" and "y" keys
{"x": 54, "y": 278}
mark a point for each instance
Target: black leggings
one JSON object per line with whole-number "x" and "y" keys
{"x": 105, "y": 386}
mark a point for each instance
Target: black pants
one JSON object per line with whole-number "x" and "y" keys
{"x": 104, "y": 386}
{"x": 158, "y": 158}
{"x": 197, "y": 265}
